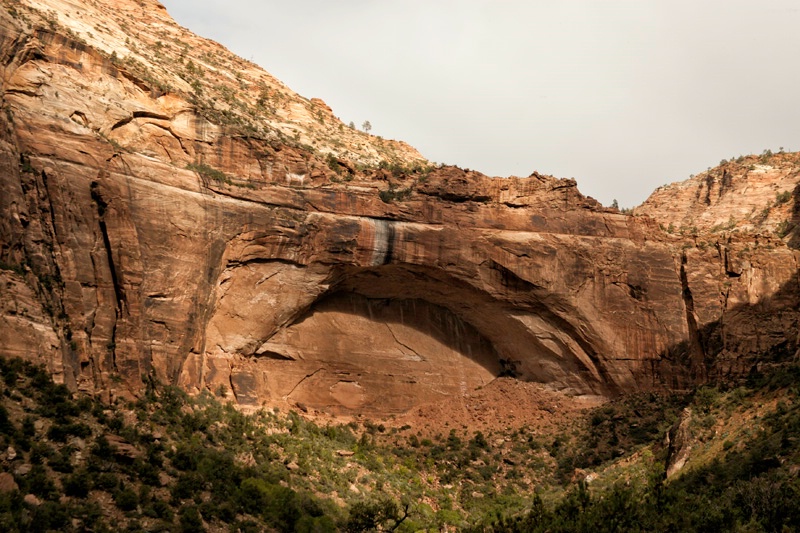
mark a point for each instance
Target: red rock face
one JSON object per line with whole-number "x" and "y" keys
{"x": 147, "y": 236}
{"x": 352, "y": 354}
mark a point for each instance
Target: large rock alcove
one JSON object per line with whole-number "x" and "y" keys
{"x": 381, "y": 340}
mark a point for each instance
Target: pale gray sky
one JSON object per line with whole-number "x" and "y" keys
{"x": 623, "y": 96}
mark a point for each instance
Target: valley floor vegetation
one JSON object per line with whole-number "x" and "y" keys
{"x": 170, "y": 462}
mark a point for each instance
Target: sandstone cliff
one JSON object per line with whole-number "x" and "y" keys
{"x": 752, "y": 194}
{"x": 173, "y": 213}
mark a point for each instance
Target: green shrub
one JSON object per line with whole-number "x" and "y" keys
{"x": 784, "y": 228}
{"x": 41, "y": 451}
{"x": 78, "y": 484}
{"x": 209, "y": 172}
{"x": 106, "y": 481}
{"x": 187, "y": 485}
{"x": 59, "y": 432}
{"x": 6, "y": 426}
{"x": 158, "y": 509}
{"x": 783, "y": 197}
{"x": 391, "y": 194}
{"x": 49, "y": 516}
{"x": 191, "y": 520}
{"x": 381, "y": 515}
{"x": 62, "y": 462}
{"x": 39, "y": 483}
{"x": 126, "y": 499}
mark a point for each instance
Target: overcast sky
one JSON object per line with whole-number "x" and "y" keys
{"x": 623, "y": 96}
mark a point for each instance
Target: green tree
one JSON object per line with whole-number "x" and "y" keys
{"x": 382, "y": 515}
{"x": 191, "y": 520}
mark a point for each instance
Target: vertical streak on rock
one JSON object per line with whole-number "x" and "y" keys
{"x": 101, "y": 204}
{"x": 696, "y": 352}
{"x": 52, "y": 293}
{"x": 390, "y": 236}
{"x": 119, "y": 294}
{"x": 203, "y": 310}
{"x": 382, "y": 242}
{"x": 231, "y": 384}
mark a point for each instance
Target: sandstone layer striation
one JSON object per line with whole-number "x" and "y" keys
{"x": 172, "y": 213}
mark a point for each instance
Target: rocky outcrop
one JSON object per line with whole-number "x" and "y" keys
{"x": 751, "y": 194}
{"x": 154, "y": 232}
{"x": 745, "y": 214}
{"x": 678, "y": 442}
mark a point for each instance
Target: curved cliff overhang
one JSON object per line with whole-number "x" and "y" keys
{"x": 532, "y": 341}
{"x": 384, "y": 315}
{"x": 147, "y": 241}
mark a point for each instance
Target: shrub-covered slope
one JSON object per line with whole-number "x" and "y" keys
{"x": 170, "y": 462}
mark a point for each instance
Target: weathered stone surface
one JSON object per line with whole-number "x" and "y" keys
{"x": 7, "y": 482}
{"x": 161, "y": 223}
{"x": 25, "y": 327}
{"x": 750, "y": 193}
{"x": 123, "y": 448}
{"x": 679, "y": 443}
{"x": 32, "y": 500}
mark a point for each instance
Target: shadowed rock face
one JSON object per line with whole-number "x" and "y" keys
{"x": 147, "y": 236}
{"x": 373, "y": 356}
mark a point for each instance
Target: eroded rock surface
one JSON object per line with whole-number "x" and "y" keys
{"x": 173, "y": 213}
{"x": 746, "y": 194}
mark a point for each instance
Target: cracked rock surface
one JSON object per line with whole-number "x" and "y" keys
{"x": 174, "y": 213}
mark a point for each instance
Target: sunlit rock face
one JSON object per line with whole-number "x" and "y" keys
{"x": 352, "y": 354}
{"x": 157, "y": 228}
{"x": 752, "y": 193}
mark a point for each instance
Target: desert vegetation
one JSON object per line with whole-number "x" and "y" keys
{"x": 170, "y": 462}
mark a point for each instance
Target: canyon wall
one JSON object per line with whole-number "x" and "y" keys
{"x": 220, "y": 232}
